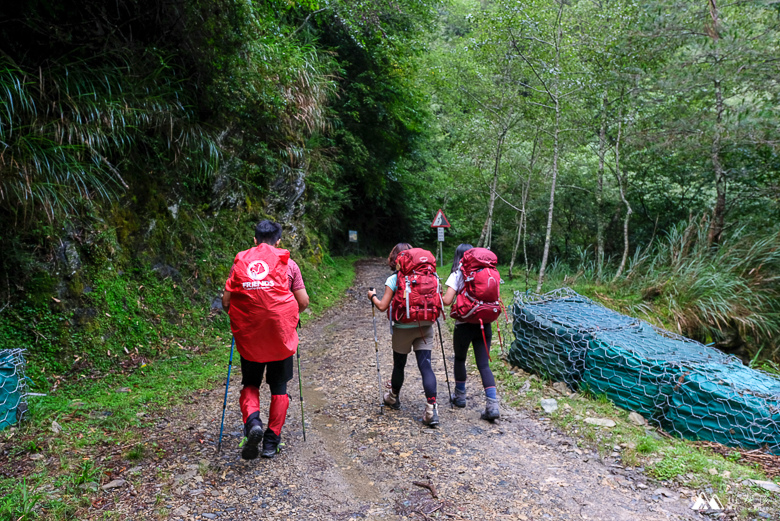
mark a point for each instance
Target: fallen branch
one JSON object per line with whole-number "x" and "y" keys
{"x": 429, "y": 486}
{"x": 769, "y": 463}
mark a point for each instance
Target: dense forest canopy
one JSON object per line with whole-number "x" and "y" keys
{"x": 633, "y": 144}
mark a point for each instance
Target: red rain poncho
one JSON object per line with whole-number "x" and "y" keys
{"x": 263, "y": 311}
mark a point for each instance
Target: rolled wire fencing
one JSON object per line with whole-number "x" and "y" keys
{"x": 13, "y": 387}
{"x": 682, "y": 386}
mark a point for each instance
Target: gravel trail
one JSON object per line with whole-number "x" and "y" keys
{"x": 358, "y": 464}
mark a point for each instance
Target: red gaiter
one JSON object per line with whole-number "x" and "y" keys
{"x": 278, "y": 412}
{"x": 249, "y": 400}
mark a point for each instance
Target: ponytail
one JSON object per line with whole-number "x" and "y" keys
{"x": 459, "y": 251}
{"x": 398, "y": 248}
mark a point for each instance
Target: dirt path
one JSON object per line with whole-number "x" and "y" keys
{"x": 357, "y": 464}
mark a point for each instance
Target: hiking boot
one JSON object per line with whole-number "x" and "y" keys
{"x": 271, "y": 442}
{"x": 431, "y": 415}
{"x": 254, "y": 435}
{"x": 391, "y": 400}
{"x": 458, "y": 398}
{"x": 491, "y": 410}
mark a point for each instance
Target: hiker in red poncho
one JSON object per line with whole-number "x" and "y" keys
{"x": 264, "y": 295}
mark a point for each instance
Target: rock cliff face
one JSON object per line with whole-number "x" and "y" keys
{"x": 227, "y": 191}
{"x": 286, "y": 203}
{"x": 283, "y": 200}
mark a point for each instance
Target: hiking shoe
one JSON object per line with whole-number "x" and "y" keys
{"x": 254, "y": 435}
{"x": 271, "y": 442}
{"x": 391, "y": 399}
{"x": 431, "y": 415}
{"x": 458, "y": 398}
{"x": 491, "y": 410}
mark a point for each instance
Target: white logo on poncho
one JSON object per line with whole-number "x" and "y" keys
{"x": 257, "y": 270}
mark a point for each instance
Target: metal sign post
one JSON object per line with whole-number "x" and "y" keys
{"x": 441, "y": 246}
{"x": 440, "y": 222}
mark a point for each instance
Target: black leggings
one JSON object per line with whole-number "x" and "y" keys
{"x": 426, "y": 371}
{"x": 466, "y": 334}
{"x": 277, "y": 374}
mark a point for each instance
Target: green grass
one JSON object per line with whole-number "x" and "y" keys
{"x": 326, "y": 282}
{"x": 20, "y": 501}
{"x": 647, "y": 445}
{"x": 114, "y": 408}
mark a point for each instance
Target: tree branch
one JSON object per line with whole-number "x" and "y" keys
{"x": 305, "y": 21}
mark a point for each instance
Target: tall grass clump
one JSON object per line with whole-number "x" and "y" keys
{"x": 727, "y": 293}
{"x": 70, "y": 132}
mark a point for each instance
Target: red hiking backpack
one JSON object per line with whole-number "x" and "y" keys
{"x": 480, "y": 299}
{"x": 417, "y": 296}
{"x": 263, "y": 311}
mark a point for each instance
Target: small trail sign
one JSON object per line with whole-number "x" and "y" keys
{"x": 353, "y": 236}
{"x": 440, "y": 221}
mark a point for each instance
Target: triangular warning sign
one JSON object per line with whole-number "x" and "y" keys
{"x": 440, "y": 221}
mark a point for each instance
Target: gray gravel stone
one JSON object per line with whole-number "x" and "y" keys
{"x": 550, "y": 405}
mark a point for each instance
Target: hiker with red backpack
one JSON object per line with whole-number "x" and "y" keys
{"x": 473, "y": 289}
{"x": 413, "y": 302}
{"x": 264, "y": 296}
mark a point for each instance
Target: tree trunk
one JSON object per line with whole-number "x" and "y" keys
{"x": 548, "y": 234}
{"x": 629, "y": 211}
{"x": 556, "y": 100}
{"x": 521, "y": 228}
{"x": 517, "y": 243}
{"x": 485, "y": 236}
{"x": 525, "y": 248}
{"x": 719, "y": 211}
{"x": 600, "y": 192}
{"x": 522, "y": 221}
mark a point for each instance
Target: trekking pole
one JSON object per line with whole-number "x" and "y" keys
{"x": 224, "y": 404}
{"x": 444, "y": 361}
{"x": 376, "y": 351}
{"x": 500, "y": 341}
{"x": 300, "y": 388}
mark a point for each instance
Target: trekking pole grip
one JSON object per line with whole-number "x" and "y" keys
{"x": 371, "y": 298}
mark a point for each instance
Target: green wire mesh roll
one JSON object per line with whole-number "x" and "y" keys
{"x": 12, "y": 386}
{"x": 687, "y": 388}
